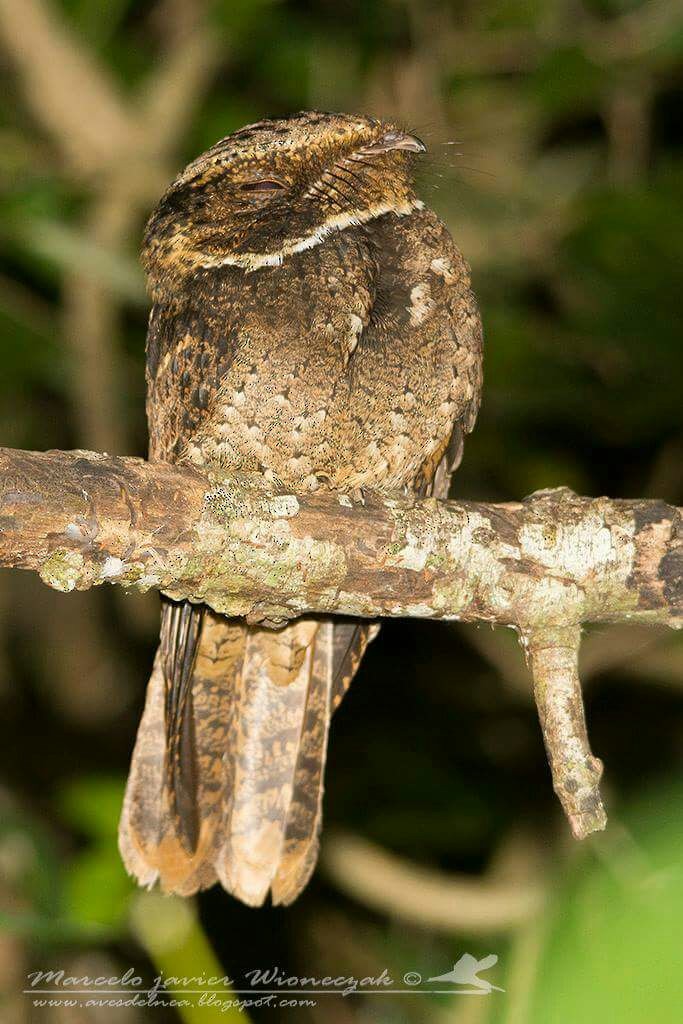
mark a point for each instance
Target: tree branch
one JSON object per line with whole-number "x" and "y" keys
{"x": 553, "y": 560}
{"x": 553, "y": 655}
{"x": 542, "y": 566}
{"x": 71, "y": 94}
{"x": 476, "y": 905}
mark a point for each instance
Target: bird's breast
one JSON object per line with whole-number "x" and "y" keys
{"x": 302, "y": 417}
{"x": 357, "y": 379}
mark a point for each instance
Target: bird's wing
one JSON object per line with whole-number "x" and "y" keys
{"x": 434, "y": 478}
{"x": 454, "y": 312}
{"x": 187, "y": 355}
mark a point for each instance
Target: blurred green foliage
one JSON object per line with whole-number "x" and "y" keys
{"x": 555, "y": 158}
{"x": 96, "y": 888}
{"x": 617, "y": 924}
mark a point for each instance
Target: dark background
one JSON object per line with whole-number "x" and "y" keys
{"x": 554, "y": 137}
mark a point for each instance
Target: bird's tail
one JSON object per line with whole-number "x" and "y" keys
{"x": 226, "y": 780}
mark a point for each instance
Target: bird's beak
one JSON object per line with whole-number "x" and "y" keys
{"x": 396, "y": 140}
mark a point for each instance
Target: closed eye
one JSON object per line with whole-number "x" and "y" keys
{"x": 263, "y": 185}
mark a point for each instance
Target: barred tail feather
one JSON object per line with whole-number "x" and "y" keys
{"x": 150, "y": 840}
{"x": 277, "y": 682}
{"x": 299, "y": 852}
{"x": 260, "y": 704}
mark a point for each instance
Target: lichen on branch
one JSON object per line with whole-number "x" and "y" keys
{"x": 553, "y": 656}
{"x": 543, "y": 566}
{"x": 82, "y": 519}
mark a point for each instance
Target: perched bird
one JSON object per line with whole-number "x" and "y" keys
{"x": 313, "y": 322}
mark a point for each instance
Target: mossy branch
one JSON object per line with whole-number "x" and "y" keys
{"x": 543, "y": 566}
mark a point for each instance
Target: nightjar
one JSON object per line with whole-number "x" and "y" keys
{"x": 312, "y": 322}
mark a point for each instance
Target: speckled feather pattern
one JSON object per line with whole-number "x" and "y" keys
{"x": 354, "y": 363}
{"x": 361, "y": 390}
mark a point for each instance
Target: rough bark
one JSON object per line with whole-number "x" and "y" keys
{"x": 543, "y": 566}
{"x": 80, "y": 519}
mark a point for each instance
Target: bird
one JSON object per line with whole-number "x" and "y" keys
{"x": 312, "y": 322}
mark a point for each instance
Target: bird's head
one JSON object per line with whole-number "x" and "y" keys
{"x": 279, "y": 187}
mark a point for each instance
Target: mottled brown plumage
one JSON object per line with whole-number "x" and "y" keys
{"x": 312, "y": 322}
